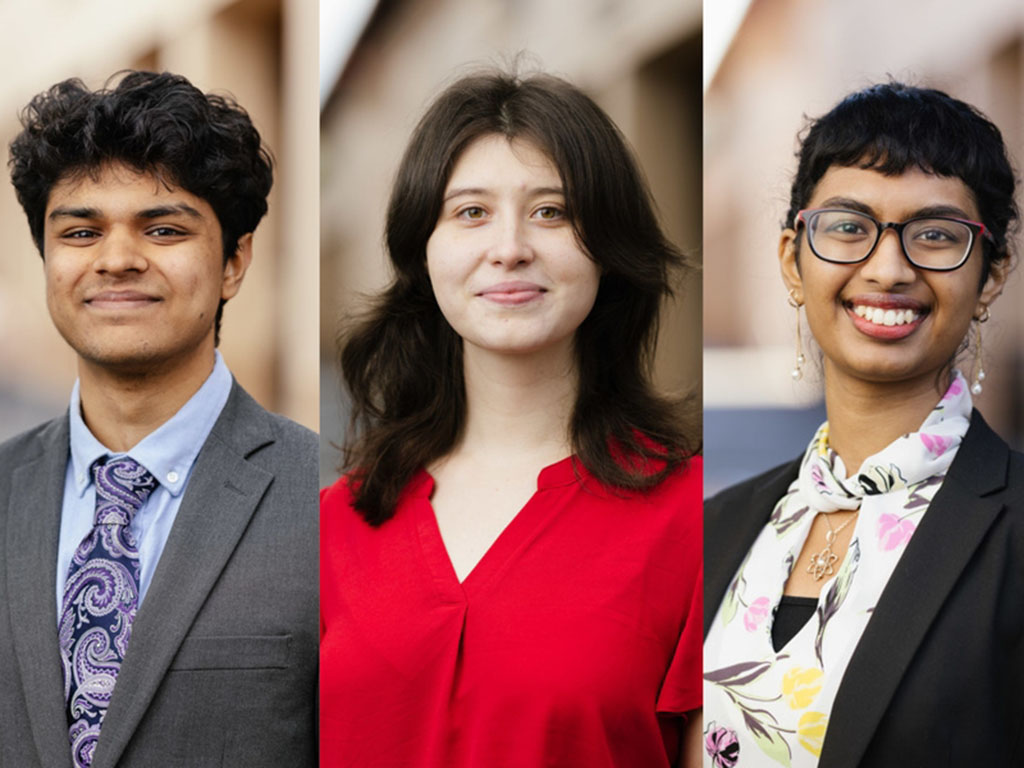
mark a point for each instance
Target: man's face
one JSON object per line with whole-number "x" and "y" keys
{"x": 135, "y": 271}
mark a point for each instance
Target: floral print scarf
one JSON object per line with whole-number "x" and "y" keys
{"x": 767, "y": 708}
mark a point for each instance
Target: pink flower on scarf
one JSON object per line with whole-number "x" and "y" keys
{"x": 722, "y": 746}
{"x": 954, "y": 389}
{"x": 893, "y": 532}
{"x": 756, "y": 613}
{"x": 817, "y": 478}
{"x": 936, "y": 444}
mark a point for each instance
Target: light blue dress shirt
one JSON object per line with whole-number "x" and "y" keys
{"x": 169, "y": 452}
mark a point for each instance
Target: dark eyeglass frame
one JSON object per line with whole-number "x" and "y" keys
{"x": 976, "y": 228}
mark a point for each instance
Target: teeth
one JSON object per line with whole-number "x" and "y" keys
{"x": 888, "y": 317}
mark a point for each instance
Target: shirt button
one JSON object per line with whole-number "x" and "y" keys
{"x": 172, "y": 477}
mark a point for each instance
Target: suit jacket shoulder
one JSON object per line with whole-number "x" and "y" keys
{"x": 733, "y": 518}
{"x": 937, "y": 674}
{"x": 221, "y": 668}
{"x": 32, "y": 443}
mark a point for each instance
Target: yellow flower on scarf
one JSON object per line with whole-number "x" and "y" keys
{"x": 801, "y": 686}
{"x": 811, "y": 731}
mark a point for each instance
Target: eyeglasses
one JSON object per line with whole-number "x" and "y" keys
{"x": 939, "y": 243}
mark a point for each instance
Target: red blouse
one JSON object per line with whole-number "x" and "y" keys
{"x": 575, "y": 641}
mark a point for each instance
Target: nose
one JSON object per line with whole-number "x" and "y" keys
{"x": 119, "y": 251}
{"x": 888, "y": 266}
{"x": 511, "y": 246}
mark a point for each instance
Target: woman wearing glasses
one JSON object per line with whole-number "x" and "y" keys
{"x": 510, "y": 574}
{"x": 865, "y": 603}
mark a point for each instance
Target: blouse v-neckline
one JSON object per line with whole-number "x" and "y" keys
{"x": 514, "y": 537}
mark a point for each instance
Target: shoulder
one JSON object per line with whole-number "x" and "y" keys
{"x": 985, "y": 464}
{"x": 262, "y": 436}
{"x": 685, "y": 485}
{"x": 34, "y": 442}
{"x": 336, "y": 498}
{"x": 773, "y": 482}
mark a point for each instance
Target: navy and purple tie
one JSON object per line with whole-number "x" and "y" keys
{"x": 101, "y": 597}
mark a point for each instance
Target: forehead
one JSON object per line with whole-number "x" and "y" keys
{"x": 493, "y": 160}
{"x": 894, "y": 196}
{"x": 116, "y": 188}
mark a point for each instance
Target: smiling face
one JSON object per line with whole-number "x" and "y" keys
{"x": 506, "y": 267}
{"x": 883, "y": 319}
{"x": 135, "y": 271}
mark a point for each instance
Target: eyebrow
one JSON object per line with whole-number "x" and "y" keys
{"x": 73, "y": 213}
{"x": 928, "y": 210}
{"x": 155, "y": 212}
{"x": 536, "y": 191}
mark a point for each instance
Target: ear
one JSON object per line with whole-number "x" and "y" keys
{"x": 993, "y": 286}
{"x": 789, "y": 265}
{"x": 235, "y": 267}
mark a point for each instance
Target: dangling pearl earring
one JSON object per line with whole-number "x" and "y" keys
{"x": 979, "y": 362}
{"x": 798, "y": 370}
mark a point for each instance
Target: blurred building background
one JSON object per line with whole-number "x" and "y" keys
{"x": 639, "y": 60}
{"x": 770, "y": 63}
{"x": 263, "y": 52}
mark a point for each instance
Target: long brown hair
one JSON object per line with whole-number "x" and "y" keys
{"x": 402, "y": 363}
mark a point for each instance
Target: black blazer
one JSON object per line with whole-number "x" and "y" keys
{"x": 937, "y": 678}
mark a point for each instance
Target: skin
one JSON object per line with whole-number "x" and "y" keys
{"x": 134, "y": 273}
{"x": 878, "y": 389}
{"x": 692, "y": 751}
{"x": 514, "y": 282}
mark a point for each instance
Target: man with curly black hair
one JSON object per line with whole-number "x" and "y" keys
{"x": 158, "y": 600}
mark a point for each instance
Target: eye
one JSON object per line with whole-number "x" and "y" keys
{"x": 846, "y": 228}
{"x": 472, "y": 213}
{"x": 549, "y": 213}
{"x": 165, "y": 231}
{"x": 79, "y": 237}
{"x": 935, "y": 235}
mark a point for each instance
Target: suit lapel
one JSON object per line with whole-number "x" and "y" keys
{"x": 731, "y": 529}
{"x": 956, "y": 522}
{"x": 34, "y": 508}
{"x": 223, "y": 492}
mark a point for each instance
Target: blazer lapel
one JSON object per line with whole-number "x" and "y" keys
{"x": 37, "y": 489}
{"x": 223, "y": 492}
{"x": 731, "y": 530}
{"x": 951, "y": 530}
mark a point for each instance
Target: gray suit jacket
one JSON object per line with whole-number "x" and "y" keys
{"x": 221, "y": 669}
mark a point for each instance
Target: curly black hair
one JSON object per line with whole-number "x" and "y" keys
{"x": 155, "y": 123}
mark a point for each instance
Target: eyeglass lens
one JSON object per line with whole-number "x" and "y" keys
{"x": 847, "y": 236}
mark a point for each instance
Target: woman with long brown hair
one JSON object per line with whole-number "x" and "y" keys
{"x": 511, "y": 566}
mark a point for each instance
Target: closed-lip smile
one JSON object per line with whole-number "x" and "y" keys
{"x": 120, "y": 299}
{"x": 886, "y": 316}
{"x": 512, "y": 293}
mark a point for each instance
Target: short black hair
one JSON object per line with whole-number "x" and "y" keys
{"x": 893, "y": 127}
{"x": 155, "y": 123}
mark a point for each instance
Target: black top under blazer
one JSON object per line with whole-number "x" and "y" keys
{"x": 937, "y": 678}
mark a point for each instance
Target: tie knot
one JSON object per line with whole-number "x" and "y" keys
{"x": 122, "y": 487}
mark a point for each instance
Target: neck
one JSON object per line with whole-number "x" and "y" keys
{"x": 121, "y": 408}
{"x": 865, "y": 416}
{"x": 518, "y": 406}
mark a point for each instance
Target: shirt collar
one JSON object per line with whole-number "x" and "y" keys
{"x": 169, "y": 451}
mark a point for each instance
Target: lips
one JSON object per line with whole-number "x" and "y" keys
{"x": 121, "y": 300}
{"x": 888, "y": 317}
{"x": 513, "y": 293}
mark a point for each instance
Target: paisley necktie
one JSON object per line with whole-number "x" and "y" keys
{"x": 101, "y": 597}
